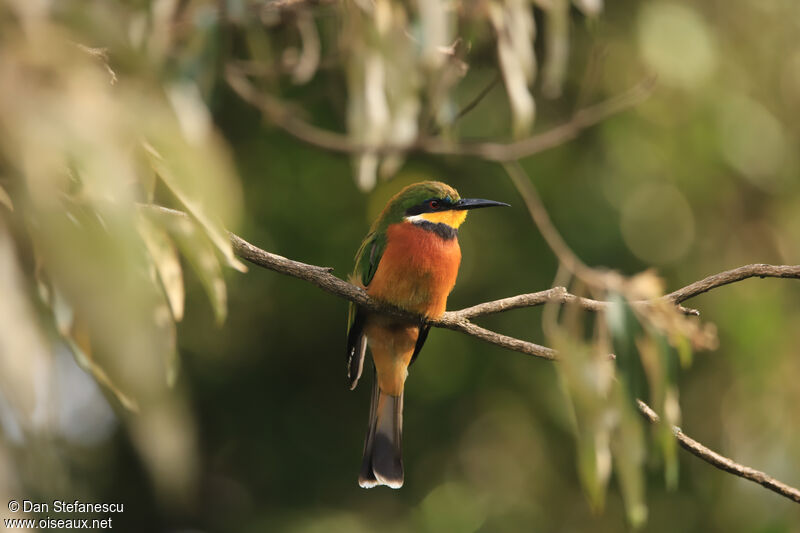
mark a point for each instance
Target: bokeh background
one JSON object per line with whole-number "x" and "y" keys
{"x": 699, "y": 178}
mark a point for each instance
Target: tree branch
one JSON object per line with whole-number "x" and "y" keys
{"x": 322, "y": 278}
{"x": 724, "y": 463}
{"x": 459, "y": 321}
{"x": 731, "y": 276}
{"x": 279, "y": 114}
{"x": 555, "y": 295}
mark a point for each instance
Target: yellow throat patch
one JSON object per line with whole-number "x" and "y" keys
{"x": 452, "y": 218}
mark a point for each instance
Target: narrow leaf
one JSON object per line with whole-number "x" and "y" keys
{"x": 5, "y": 199}
{"x": 629, "y": 452}
{"x": 195, "y": 246}
{"x": 80, "y": 346}
{"x": 165, "y": 258}
{"x": 216, "y": 234}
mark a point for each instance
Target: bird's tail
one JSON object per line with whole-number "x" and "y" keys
{"x": 383, "y": 462}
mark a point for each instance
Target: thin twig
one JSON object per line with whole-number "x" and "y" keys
{"x": 282, "y": 5}
{"x": 277, "y": 112}
{"x": 554, "y": 295}
{"x": 477, "y": 100}
{"x": 472, "y": 104}
{"x": 724, "y": 463}
{"x": 542, "y": 220}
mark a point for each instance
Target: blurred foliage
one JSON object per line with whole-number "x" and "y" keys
{"x": 118, "y": 383}
{"x": 83, "y": 147}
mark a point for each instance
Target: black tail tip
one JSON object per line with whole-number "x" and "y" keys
{"x": 372, "y": 481}
{"x": 384, "y": 466}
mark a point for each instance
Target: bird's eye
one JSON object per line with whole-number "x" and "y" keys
{"x": 434, "y": 204}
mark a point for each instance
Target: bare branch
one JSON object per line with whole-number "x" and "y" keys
{"x": 452, "y": 321}
{"x": 281, "y": 5}
{"x": 724, "y": 463}
{"x": 732, "y": 276}
{"x": 459, "y": 321}
{"x": 322, "y": 278}
{"x": 279, "y": 114}
{"x": 554, "y": 295}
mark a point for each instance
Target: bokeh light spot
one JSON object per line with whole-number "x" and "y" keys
{"x": 657, "y": 223}
{"x": 452, "y": 507}
{"x": 752, "y": 140}
{"x": 675, "y": 42}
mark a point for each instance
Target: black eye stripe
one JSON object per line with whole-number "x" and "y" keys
{"x": 428, "y": 206}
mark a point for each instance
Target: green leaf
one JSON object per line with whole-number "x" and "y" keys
{"x": 5, "y": 199}
{"x": 629, "y": 452}
{"x": 166, "y": 325}
{"x": 669, "y": 411}
{"x": 195, "y": 246}
{"x": 661, "y": 366}
{"x": 180, "y": 185}
{"x": 585, "y": 377}
{"x": 165, "y": 259}
{"x": 684, "y": 350}
{"x": 594, "y": 464}
{"x": 624, "y": 328}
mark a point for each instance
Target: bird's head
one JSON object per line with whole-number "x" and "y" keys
{"x": 434, "y": 202}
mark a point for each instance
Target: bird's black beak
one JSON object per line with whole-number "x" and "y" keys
{"x": 476, "y": 203}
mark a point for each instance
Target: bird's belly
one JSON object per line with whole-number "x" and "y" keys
{"x": 392, "y": 345}
{"x": 417, "y": 271}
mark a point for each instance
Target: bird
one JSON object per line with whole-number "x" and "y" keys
{"x": 409, "y": 259}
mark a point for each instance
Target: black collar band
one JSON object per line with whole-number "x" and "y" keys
{"x": 442, "y": 230}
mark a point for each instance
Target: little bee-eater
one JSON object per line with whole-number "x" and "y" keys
{"x": 409, "y": 259}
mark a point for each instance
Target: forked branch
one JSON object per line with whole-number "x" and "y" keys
{"x": 460, "y": 321}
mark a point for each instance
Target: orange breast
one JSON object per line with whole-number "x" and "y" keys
{"x": 417, "y": 271}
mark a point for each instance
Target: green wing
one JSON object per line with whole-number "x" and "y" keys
{"x": 367, "y": 259}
